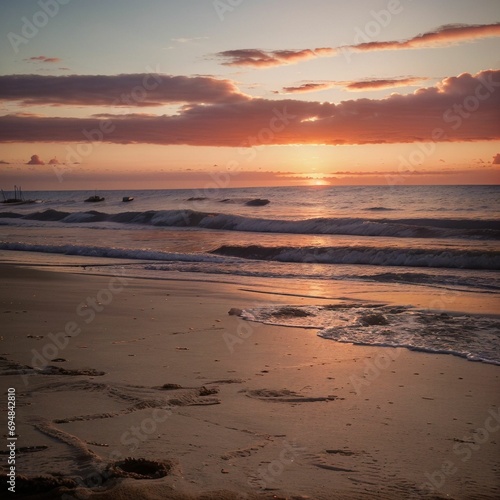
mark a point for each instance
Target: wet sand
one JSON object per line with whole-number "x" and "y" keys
{"x": 207, "y": 405}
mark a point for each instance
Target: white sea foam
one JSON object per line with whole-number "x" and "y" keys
{"x": 395, "y": 228}
{"x": 408, "y": 257}
{"x": 116, "y": 253}
{"x": 476, "y": 338}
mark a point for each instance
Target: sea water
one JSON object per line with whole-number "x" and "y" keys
{"x": 447, "y": 237}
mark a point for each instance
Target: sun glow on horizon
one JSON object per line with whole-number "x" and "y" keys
{"x": 178, "y": 102}
{"x": 318, "y": 182}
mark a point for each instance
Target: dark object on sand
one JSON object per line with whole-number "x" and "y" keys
{"x": 170, "y": 387}
{"x": 39, "y": 486}
{"x": 293, "y": 312}
{"x": 373, "y": 319}
{"x": 128, "y": 198}
{"x": 139, "y": 468}
{"x": 258, "y": 202}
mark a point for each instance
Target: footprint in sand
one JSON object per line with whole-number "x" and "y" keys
{"x": 336, "y": 460}
{"x": 285, "y": 396}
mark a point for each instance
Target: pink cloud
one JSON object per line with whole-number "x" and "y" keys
{"x": 260, "y": 58}
{"x": 44, "y": 59}
{"x": 116, "y": 90}
{"x": 442, "y": 36}
{"x": 445, "y": 108}
{"x": 35, "y": 160}
{"x": 363, "y": 85}
{"x": 450, "y": 34}
{"x": 309, "y": 87}
{"x": 387, "y": 83}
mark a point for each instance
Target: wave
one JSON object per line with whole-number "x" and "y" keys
{"x": 451, "y": 281}
{"x": 472, "y": 337}
{"x": 432, "y": 258}
{"x": 114, "y": 253}
{"x": 157, "y": 261}
{"x": 407, "y": 257}
{"x": 402, "y": 228}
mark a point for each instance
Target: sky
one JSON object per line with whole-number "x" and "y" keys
{"x": 121, "y": 94}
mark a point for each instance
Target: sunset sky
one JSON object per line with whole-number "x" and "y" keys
{"x": 181, "y": 93}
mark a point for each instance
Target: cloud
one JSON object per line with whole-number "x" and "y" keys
{"x": 2, "y": 162}
{"x": 363, "y": 85}
{"x": 450, "y": 34}
{"x": 416, "y": 177}
{"x": 44, "y": 59}
{"x": 309, "y": 87}
{"x": 260, "y": 58}
{"x": 78, "y": 178}
{"x": 35, "y": 160}
{"x": 187, "y": 40}
{"x": 443, "y": 36}
{"x": 415, "y": 117}
{"x": 147, "y": 89}
{"x": 496, "y": 159}
{"x": 387, "y": 83}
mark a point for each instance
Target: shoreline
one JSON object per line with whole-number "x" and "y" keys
{"x": 418, "y": 295}
{"x": 234, "y": 405}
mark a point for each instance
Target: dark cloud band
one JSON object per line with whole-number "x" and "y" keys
{"x": 462, "y": 108}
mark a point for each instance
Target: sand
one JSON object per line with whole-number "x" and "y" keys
{"x": 105, "y": 368}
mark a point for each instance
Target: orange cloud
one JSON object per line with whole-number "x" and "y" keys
{"x": 380, "y": 84}
{"x": 386, "y": 83}
{"x": 309, "y": 87}
{"x": 44, "y": 59}
{"x": 445, "y": 177}
{"x": 260, "y": 58}
{"x": 463, "y": 108}
{"x": 451, "y": 34}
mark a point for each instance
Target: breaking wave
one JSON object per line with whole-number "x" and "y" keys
{"x": 400, "y": 228}
{"x": 475, "y": 338}
{"x": 407, "y": 257}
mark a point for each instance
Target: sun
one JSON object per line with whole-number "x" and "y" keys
{"x": 318, "y": 182}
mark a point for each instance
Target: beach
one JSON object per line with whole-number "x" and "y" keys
{"x": 250, "y": 250}
{"x": 107, "y": 367}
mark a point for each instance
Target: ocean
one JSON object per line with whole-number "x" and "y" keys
{"x": 443, "y": 237}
